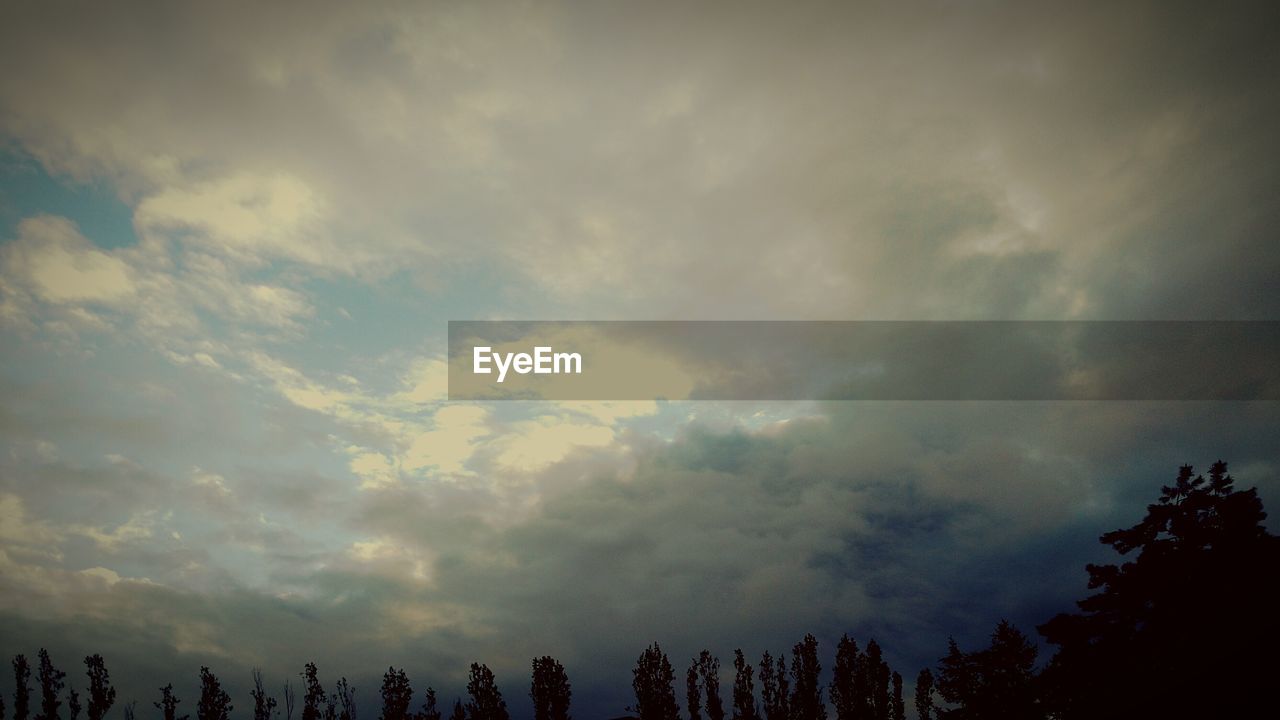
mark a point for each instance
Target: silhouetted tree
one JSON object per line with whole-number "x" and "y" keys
{"x": 806, "y": 693}
{"x": 215, "y": 703}
{"x": 992, "y": 684}
{"x": 769, "y": 689}
{"x": 709, "y": 676}
{"x": 692, "y": 692}
{"x": 73, "y": 704}
{"x": 396, "y": 695}
{"x": 549, "y": 689}
{"x": 101, "y": 694}
{"x": 924, "y": 695}
{"x": 843, "y": 691}
{"x": 264, "y": 706}
{"x": 346, "y": 695}
{"x": 898, "y": 709}
{"x": 652, "y": 682}
{"x": 168, "y": 704}
{"x": 486, "y": 701}
{"x": 314, "y": 699}
{"x": 429, "y": 710}
{"x": 877, "y": 675}
{"x": 744, "y": 692}
{"x": 459, "y": 713}
{"x": 1196, "y": 601}
{"x": 130, "y": 708}
{"x": 289, "y": 700}
{"x": 51, "y": 684}
{"x": 21, "y": 690}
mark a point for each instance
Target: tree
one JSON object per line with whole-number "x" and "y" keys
{"x": 314, "y": 699}
{"x": 709, "y": 677}
{"x": 73, "y": 704}
{"x": 21, "y": 690}
{"x": 486, "y": 701}
{"x": 51, "y": 684}
{"x": 215, "y": 703}
{"x": 992, "y": 684}
{"x": 289, "y": 698}
{"x": 264, "y": 706}
{"x": 924, "y": 695}
{"x": 769, "y": 689}
{"x": 744, "y": 692}
{"x": 101, "y": 694}
{"x": 459, "y": 713}
{"x": 429, "y": 709}
{"x": 693, "y": 692}
{"x": 396, "y": 695}
{"x": 775, "y": 689}
{"x": 898, "y": 709}
{"x": 806, "y": 694}
{"x": 1196, "y": 599}
{"x": 168, "y": 704}
{"x": 652, "y": 682}
{"x": 129, "y": 709}
{"x": 346, "y": 695}
{"x": 877, "y": 675}
{"x": 549, "y": 689}
{"x": 843, "y": 689}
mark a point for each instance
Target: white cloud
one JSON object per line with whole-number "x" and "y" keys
{"x": 59, "y": 265}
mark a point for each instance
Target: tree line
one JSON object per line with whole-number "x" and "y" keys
{"x": 1186, "y": 627}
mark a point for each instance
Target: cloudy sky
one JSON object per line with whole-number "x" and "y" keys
{"x": 232, "y": 234}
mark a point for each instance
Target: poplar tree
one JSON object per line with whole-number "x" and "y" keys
{"x": 924, "y": 695}
{"x": 486, "y": 700}
{"x": 101, "y": 694}
{"x": 709, "y": 679}
{"x": 549, "y": 689}
{"x": 429, "y": 709}
{"x": 692, "y": 692}
{"x": 51, "y": 684}
{"x": 652, "y": 681}
{"x": 744, "y": 693}
{"x": 264, "y": 706}
{"x": 215, "y": 703}
{"x": 397, "y": 694}
{"x": 806, "y": 695}
{"x": 168, "y": 704}
{"x": 898, "y": 709}
{"x": 314, "y": 697}
{"x": 843, "y": 690}
{"x": 21, "y": 690}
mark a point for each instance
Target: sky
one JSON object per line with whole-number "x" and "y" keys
{"x": 232, "y": 235}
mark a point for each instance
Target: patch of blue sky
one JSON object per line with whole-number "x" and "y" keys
{"x": 27, "y": 190}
